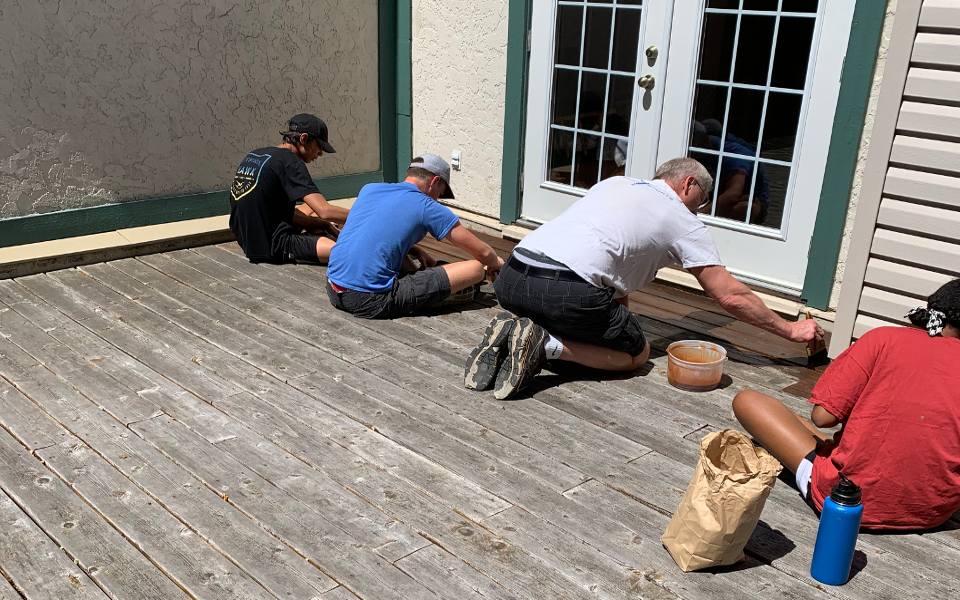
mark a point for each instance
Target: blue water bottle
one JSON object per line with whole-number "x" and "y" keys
{"x": 837, "y": 535}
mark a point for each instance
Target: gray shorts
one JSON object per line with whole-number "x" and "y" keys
{"x": 411, "y": 292}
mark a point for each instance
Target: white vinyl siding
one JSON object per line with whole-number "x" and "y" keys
{"x": 908, "y": 233}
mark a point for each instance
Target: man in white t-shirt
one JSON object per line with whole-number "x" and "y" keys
{"x": 566, "y": 284}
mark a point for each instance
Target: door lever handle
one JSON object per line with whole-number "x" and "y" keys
{"x": 646, "y": 82}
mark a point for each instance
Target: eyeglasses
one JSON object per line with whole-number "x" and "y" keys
{"x": 706, "y": 198}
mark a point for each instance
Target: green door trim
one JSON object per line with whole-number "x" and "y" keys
{"x": 855, "y": 85}
{"x": 404, "y": 87}
{"x": 395, "y": 135}
{"x": 515, "y": 109}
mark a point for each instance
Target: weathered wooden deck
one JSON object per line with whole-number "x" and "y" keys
{"x": 191, "y": 425}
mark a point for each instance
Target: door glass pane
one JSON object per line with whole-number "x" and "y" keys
{"x": 809, "y": 6}
{"x": 613, "y": 157}
{"x": 780, "y": 126}
{"x": 626, "y": 36}
{"x": 768, "y": 5}
{"x": 743, "y": 121}
{"x": 793, "y": 52}
{"x": 565, "y": 85}
{"x": 596, "y": 40}
{"x": 710, "y": 110}
{"x": 719, "y": 33}
{"x": 619, "y": 105}
{"x": 778, "y": 180}
{"x": 560, "y": 157}
{"x": 587, "y": 163}
{"x": 569, "y": 32}
{"x": 594, "y": 85}
{"x": 746, "y": 116}
{"x": 754, "y": 46}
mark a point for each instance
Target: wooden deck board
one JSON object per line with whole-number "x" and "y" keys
{"x": 223, "y": 429}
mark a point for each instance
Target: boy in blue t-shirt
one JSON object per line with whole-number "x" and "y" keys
{"x": 369, "y": 274}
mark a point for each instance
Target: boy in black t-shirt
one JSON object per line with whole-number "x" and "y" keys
{"x": 264, "y": 215}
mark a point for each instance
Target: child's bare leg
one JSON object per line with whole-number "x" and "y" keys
{"x": 776, "y": 427}
{"x": 324, "y": 246}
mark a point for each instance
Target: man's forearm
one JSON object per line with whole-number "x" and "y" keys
{"x": 329, "y": 212}
{"x": 489, "y": 258}
{"x": 749, "y": 308}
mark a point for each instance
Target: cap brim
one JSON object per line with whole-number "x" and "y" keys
{"x": 327, "y": 147}
{"x": 447, "y": 193}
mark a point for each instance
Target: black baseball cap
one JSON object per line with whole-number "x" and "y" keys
{"x": 312, "y": 126}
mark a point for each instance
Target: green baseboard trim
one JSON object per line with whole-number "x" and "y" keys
{"x": 514, "y": 113}
{"x": 855, "y": 88}
{"x": 139, "y": 213}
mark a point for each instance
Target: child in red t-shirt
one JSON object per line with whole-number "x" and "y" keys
{"x": 896, "y": 392}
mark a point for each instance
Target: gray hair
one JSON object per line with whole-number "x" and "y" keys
{"x": 678, "y": 169}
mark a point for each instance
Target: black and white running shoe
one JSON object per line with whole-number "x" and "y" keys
{"x": 525, "y": 358}
{"x": 482, "y": 364}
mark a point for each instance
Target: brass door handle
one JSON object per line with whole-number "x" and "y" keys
{"x": 646, "y": 82}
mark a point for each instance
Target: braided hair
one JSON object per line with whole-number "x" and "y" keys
{"x": 943, "y": 308}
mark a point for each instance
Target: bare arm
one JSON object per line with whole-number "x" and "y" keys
{"x": 324, "y": 209}
{"x": 822, "y": 418}
{"x": 462, "y": 238}
{"x": 738, "y": 300}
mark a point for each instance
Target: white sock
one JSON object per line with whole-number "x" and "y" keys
{"x": 553, "y": 346}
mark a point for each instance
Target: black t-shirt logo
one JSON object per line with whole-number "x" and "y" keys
{"x": 248, "y": 174}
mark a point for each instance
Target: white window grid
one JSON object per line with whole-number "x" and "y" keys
{"x": 580, "y": 69}
{"x": 767, "y": 89}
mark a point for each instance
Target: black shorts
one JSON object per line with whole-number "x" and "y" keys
{"x": 411, "y": 292}
{"x": 565, "y": 305}
{"x": 299, "y": 247}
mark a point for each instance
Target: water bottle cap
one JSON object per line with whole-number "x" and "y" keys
{"x": 846, "y": 492}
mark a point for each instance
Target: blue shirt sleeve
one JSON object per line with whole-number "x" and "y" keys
{"x": 438, "y": 219}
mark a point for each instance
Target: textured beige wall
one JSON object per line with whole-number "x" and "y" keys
{"x": 106, "y": 101}
{"x": 459, "y": 80}
{"x": 862, "y": 153}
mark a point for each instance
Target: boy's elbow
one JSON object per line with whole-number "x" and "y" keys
{"x": 822, "y": 418}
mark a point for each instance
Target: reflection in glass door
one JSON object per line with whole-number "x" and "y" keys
{"x": 749, "y": 104}
{"x": 594, "y": 66}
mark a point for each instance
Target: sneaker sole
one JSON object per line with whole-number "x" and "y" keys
{"x": 520, "y": 348}
{"x": 482, "y": 364}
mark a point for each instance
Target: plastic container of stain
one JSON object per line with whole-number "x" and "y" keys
{"x": 695, "y": 366}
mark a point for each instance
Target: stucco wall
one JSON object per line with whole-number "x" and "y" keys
{"x": 862, "y": 153}
{"x": 459, "y": 54}
{"x": 106, "y": 101}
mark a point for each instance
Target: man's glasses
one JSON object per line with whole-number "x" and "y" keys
{"x": 706, "y": 198}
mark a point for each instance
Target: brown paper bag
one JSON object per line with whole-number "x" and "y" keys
{"x": 723, "y": 502}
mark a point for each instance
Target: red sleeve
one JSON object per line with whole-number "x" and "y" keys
{"x": 841, "y": 384}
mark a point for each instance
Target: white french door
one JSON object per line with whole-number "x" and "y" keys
{"x": 588, "y": 118}
{"x": 746, "y": 87}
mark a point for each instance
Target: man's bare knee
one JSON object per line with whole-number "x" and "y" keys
{"x": 464, "y": 274}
